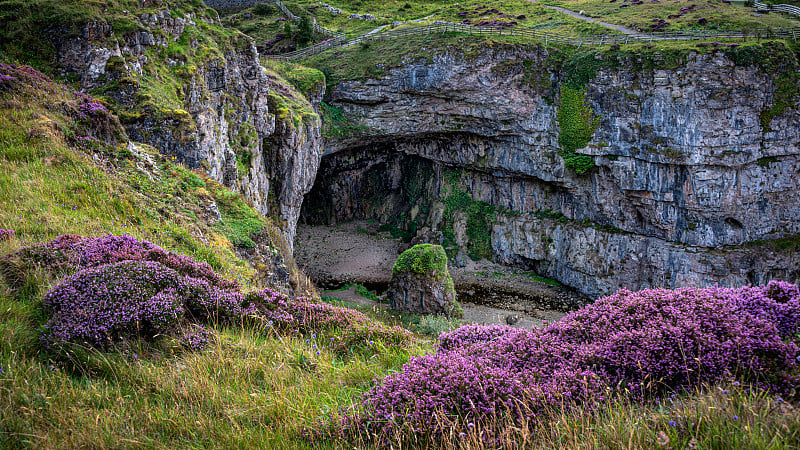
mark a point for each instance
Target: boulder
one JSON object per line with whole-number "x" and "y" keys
{"x": 422, "y": 284}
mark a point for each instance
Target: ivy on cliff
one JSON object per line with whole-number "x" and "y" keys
{"x": 578, "y": 123}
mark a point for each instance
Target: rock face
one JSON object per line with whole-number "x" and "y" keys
{"x": 216, "y": 113}
{"x": 421, "y": 283}
{"x": 694, "y": 177}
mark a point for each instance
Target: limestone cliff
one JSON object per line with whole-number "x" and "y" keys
{"x": 200, "y": 93}
{"x": 692, "y": 160}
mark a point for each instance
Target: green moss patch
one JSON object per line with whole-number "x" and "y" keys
{"x": 578, "y": 123}
{"x": 424, "y": 259}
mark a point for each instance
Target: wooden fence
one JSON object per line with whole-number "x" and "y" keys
{"x": 339, "y": 39}
{"x": 788, "y": 9}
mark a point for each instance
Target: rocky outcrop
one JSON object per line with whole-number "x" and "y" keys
{"x": 421, "y": 283}
{"x": 212, "y": 112}
{"x": 689, "y": 169}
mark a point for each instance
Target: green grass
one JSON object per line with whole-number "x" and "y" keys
{"x": 252, "y": 388}
{"x": 527, "y": 274}
{"x": 719, "y": 16}
{"x": 422, "y": 324}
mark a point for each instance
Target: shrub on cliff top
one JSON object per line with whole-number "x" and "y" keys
{"x": 638, "y": 344}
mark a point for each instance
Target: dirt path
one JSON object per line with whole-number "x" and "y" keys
{"x": 620, "y": 28}
{"x": 356, "y": 252}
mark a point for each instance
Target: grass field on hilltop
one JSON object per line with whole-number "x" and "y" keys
{"x": 703, "y": 15}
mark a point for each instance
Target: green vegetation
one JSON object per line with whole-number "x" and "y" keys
{"x": 765, "y": 161}
{"x": 336, "y": 124}
{"x": 790, "y": 243}
{"x": 424, "y": 259}
{"x": 527, "y": 274}
{"x": 309, "y": 82}
{"x": 361, "y": 290}
{"x": 479, "y": 215}
{"x": 527, "y": 14}
{"x": 578, "y": 123}
{"x": 717, "y": 15}
{"x": 288, "y": 104}
{"x": 429, "y": 325}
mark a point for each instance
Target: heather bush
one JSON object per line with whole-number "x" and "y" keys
{"x": 122, "y": 288}
{"x": 641, "y": 345}
{"x": 197, "y": 338}
{"x": 101, "y": 305}
{"x": 355, "y": 329}
{"x": 475, "y": 334}
{"x": 92, "y": 120}
{"x": 68, "y": 253}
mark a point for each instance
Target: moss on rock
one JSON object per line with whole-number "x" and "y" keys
{"x": 422, "y": 284}
{"x": 424, "y": 259}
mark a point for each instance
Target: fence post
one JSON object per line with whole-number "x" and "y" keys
{"x": 545, "y": 39}
{"x": 581, "y": 43}
{"x": 601, "y": 41}
{"x": 626, "y": 39}
{"x": 794, "y": 35}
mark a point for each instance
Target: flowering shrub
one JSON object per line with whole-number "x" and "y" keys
{"x": 197, "y": 339}
{"x": 100, "y": 305}
{"x": 640, "y": 344}
{"x": 475, "y": 334}
{"x": 121, "y": 287}
{"x": 93, "y": 119}
{"x": 6, "y": 234}
{"x": 68, "y": 253}
{"x": 356, "y": 329}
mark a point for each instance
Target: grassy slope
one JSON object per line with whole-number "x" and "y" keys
{"x": 266, "y": 27}
{"x": 250, "y": 389}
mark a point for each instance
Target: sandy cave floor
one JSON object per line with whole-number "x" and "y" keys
{"x": 357, "y": 252}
